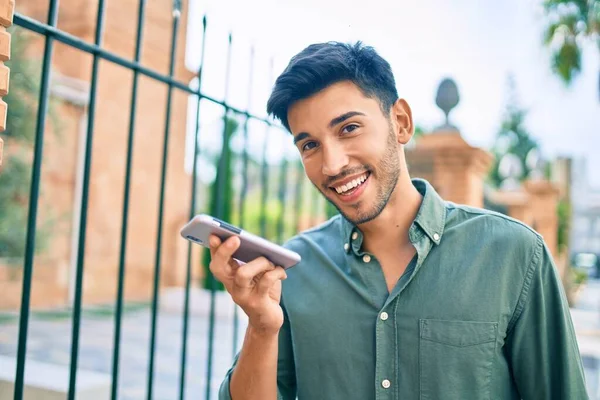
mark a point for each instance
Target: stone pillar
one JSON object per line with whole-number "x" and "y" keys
{"x": 535, "y": 204}
{"x": 7, "y": 9}
{"x": 562, "y": 169}
{"x": 516, "y": 203}
{"x": 456, "y": 169}
{"x": 543, "y": 203}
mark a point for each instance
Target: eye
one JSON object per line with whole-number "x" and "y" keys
{"x": 349, "y": 128}
{"x": 308, "y": 146}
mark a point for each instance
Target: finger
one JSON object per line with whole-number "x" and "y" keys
{"x": 245, "y": 275}
{"x": 213, "y": 242}
{"x": 221, "y": 264}
{"x": 269, "y": 278}
{"x": 223, "y": 252}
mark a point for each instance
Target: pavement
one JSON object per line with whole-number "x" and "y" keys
{"x": 586, "y": 319}
{"x": 49, "y": 342}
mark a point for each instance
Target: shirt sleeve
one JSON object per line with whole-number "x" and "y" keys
{"x": 286, "y": 373}
{"x": 541, "y": 342}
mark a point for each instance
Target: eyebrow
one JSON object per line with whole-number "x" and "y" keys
{"x": 300, "y": 136}
{"x": 337, "y": 120}
{"x": 343, "y": 117}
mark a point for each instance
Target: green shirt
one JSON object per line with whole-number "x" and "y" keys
{"x": 480, "y": 313}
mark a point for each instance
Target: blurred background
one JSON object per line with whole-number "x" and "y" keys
{"x": 125, "y": 118}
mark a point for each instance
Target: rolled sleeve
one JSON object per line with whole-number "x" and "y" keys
{"x": 286, "y": 376}
{"x": 224, "y": 392}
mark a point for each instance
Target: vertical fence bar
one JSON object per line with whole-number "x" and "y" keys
{"x": 161, "y": 203}
{"x": 264, "y": 186}
{"x": 84, "y": 201}
{"x": 188, "y": 271}
{"x": 244, "y": 190}
{"x": 219, "y": 200}
{"x": 125, "y": 217}
{"x": 298, "y": 203}
{"x": 33, "y": 203}
{"x": 282, "y": 198}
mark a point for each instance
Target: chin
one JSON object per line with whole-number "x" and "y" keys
{"x": 359, "y": 215}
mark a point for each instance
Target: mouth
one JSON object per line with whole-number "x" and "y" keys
{"x": 351, "y": 190}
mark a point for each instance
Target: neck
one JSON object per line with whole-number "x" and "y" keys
{"x": 390, "y": 228}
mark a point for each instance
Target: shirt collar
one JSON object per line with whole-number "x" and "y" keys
{"x": 431, "y": 217}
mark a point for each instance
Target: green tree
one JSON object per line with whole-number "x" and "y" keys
{"x": 570, "y": 24}
{"x": 221, "y": 192}
{"x": 512, "y": 138}
{"x": 564, "y": 225}
{"x": 15, "y": 174}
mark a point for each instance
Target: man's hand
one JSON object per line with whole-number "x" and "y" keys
{"x": 255, "y": 286}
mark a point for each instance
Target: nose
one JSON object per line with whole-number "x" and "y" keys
{"x": 335, "y": 160}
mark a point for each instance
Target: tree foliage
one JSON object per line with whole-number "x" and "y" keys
{"x": 570, "y": 24}
{"x": 15, "y": 173}
{"x": 221, "y": 192}
{"x": 512, "y": 138}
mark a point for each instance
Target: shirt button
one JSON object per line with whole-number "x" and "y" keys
{"x": 367, "y": 258}
{"x": 436, "y": 237}
{"x": 384, "y": 316}
{"x": 386, "y": 384}
{"x": 354, "y": 235}
{"x": 346, "y": 246}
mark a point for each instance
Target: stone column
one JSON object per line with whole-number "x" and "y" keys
{"x": 516, "y": 203}
{"x": 7, "y": 8}
{"x": 543, "y": 202}
{"x": 534, "y": 203}
{"x": 456, "y": 169}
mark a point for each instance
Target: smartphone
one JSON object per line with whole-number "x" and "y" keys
{"x": 251, "y": 247}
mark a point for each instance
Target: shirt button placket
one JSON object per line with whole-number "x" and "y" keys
{"x": 385, "y": 368}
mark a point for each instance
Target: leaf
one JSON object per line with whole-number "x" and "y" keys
{"x": 566, "y": 61}
{"x": 550, "y": 32}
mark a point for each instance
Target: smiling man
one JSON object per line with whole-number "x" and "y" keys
{"x": 403, "y": 295}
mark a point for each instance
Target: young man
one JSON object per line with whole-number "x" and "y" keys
{"x": 404, "y": 295}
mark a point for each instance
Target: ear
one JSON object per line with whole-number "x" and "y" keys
{"x": 401, "y": 116}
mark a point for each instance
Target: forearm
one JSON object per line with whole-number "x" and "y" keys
{"x": 255, "y": 375}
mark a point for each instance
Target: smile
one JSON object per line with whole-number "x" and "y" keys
{"x": 349, "y": 186}
{"x": 349, "y": 191}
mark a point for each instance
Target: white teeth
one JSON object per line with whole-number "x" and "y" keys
{"x": 351, "y": 185}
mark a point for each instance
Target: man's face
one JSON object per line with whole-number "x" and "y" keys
{"x": 349, "y": 149}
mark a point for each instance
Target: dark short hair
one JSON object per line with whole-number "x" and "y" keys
{"x": 323, "y": 64}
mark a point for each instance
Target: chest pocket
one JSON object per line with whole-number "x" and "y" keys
{"x": 455, "y": 359}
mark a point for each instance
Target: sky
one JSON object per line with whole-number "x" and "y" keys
{"x": 476, "y": 43}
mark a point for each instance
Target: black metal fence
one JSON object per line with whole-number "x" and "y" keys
{"x": 290, "y": 195}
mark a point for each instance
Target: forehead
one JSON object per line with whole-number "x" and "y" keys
{"x": 316, "y": 111}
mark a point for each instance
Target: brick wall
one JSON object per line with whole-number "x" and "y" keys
{"x": 63, "y": 166}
